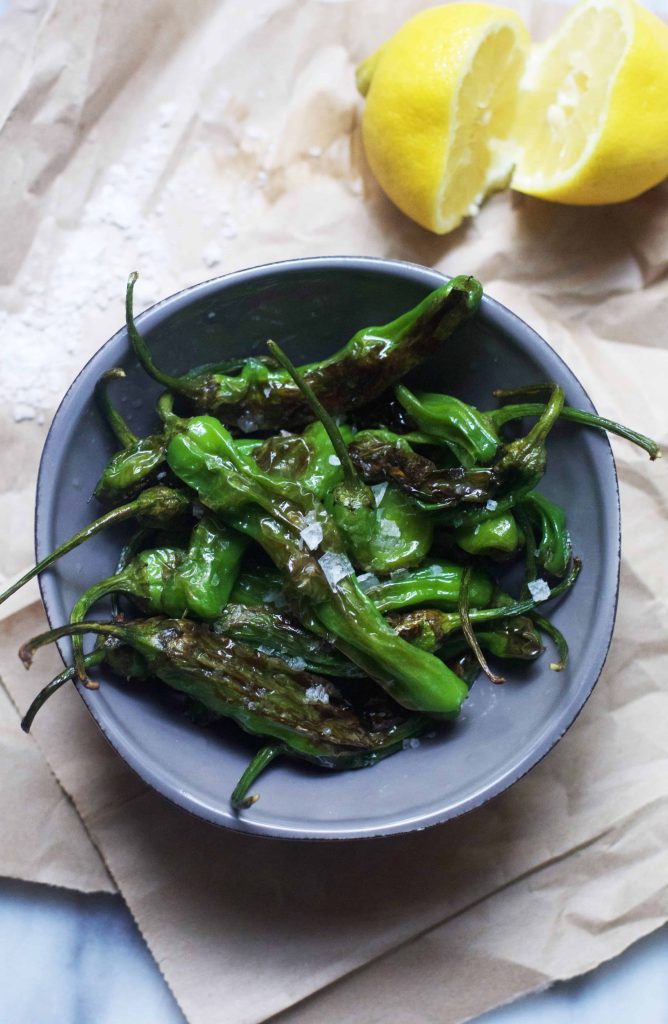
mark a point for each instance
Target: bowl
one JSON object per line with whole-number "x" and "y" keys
{"x": 311, "y": 306}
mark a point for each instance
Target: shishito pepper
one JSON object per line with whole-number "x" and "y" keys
{"x": 431, "y": 628}
{"x": 382, "y": 532}
{"x": 275, "y": 513}
{"x": 373, "y": 360}
{"x": 553, "y": 542}
{"x": 436, "y": 585}
{"x": 517, "y": 468}
{"x": 497, "y": 536}
{"x": 139, "y": 460}
{"x": 159, "y": 507}
{"x": 170, "y": 581}
{"x": 462, "y": 427}
{"x": 304, "y": 714}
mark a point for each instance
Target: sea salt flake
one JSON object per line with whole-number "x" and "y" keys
{"x": 316, "y": 694}
{"x": 367, "y": 580}
{"x": 390, "y": 528}
{"x": 335, "y": 567}
{"x": 491, "y": 505}
{"x": 411, "y": 744}
{"x": 311, "y": 534}
{"x": 539, "y": 590}
{"x": 334, "y": 460}
{"x": 379, "y": 492}
{"x": 297, "y": 663}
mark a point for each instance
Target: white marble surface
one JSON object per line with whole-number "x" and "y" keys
{"x": 69, "y": 958}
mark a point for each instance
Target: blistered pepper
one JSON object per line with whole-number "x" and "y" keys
{"x": 264, "y": 397}
{"x": 275, "y": 513}
{"x": 170, "y": 581}
{"x": 305, "y": 715}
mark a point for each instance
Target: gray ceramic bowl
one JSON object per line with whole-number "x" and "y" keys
{"x": 311, "y": 306}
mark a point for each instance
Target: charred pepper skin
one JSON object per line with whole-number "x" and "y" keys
{"x": 273, "y": 512}
{"x": 259, "y": 692}
{"x": 172, "y": 581}
{"x": 374, "y": 359}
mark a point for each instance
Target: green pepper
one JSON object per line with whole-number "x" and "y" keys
{"x": 436, "y": 585}
{"x": 261, "y": 397}
{"x": 516, "y": 638}
{"x": 140, "y": 461}
{"x": 497, "y": 536}
{"x": 553, "y": 549}
{"x": 309, "y": 458}
{"x": 275, "y": 512}
{"x": 518, "y": 467}
{"x": 466, "y": 431}
{"x": 305, "y": 714}
{"x": 158, "y": 507}
{"x": 174, "y": 582}
{"x": 382, "y": 531}
{"x": 278, "y": 634}
{"x": 430, "y": 628}
{"x": 509, "y": 412}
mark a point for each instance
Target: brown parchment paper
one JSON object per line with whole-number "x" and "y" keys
{"x": 188, "y": 140}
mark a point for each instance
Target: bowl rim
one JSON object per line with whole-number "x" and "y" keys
{"x": 509, "y": 322}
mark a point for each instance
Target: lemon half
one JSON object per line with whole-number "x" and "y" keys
{"x": 592, "y": 117}
{"x": 441, "y": 100}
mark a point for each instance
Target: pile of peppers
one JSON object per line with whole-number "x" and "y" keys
{"x": 320, "y": 550}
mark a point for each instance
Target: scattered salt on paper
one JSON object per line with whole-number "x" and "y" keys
{"x": 335, "y": 567}
{"x": 311, "y": 534}
{"x": 539, "y": 590}
{"x": 379, "y": 492}
{"x": 367, "y": 580}
{"x": 334, "y": 460}
{"x": 316, "y": 694}
{"x": 491, "y": 505}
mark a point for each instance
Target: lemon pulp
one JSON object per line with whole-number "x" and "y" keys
{"x": 563, "y": 106}
{"x": 480, "y": 155}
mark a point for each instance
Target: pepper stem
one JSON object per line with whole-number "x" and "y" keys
{"x": 139, "y": 345}
{"x": 340, "y": 447}
{"x": 95, "y": 658}
{"x": 71, "y": 629}
{"x": 467, "y": 627}
{"x": 239, "y": 799}
{"x": 120, "y": 429}
{"x": 116, "y": 515}
{"x": 587, "y": 419}
{"x": 87, "y": 600}
{"x": 557, "y": 638}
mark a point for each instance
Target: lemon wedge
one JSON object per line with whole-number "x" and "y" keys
{"x": 440, "y": 106}
{"x": 592, "y": 123}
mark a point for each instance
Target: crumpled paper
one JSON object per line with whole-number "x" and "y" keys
{"x": 187, "y": 144}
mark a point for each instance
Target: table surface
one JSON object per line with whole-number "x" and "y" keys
{"x": 70, "y": 958}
